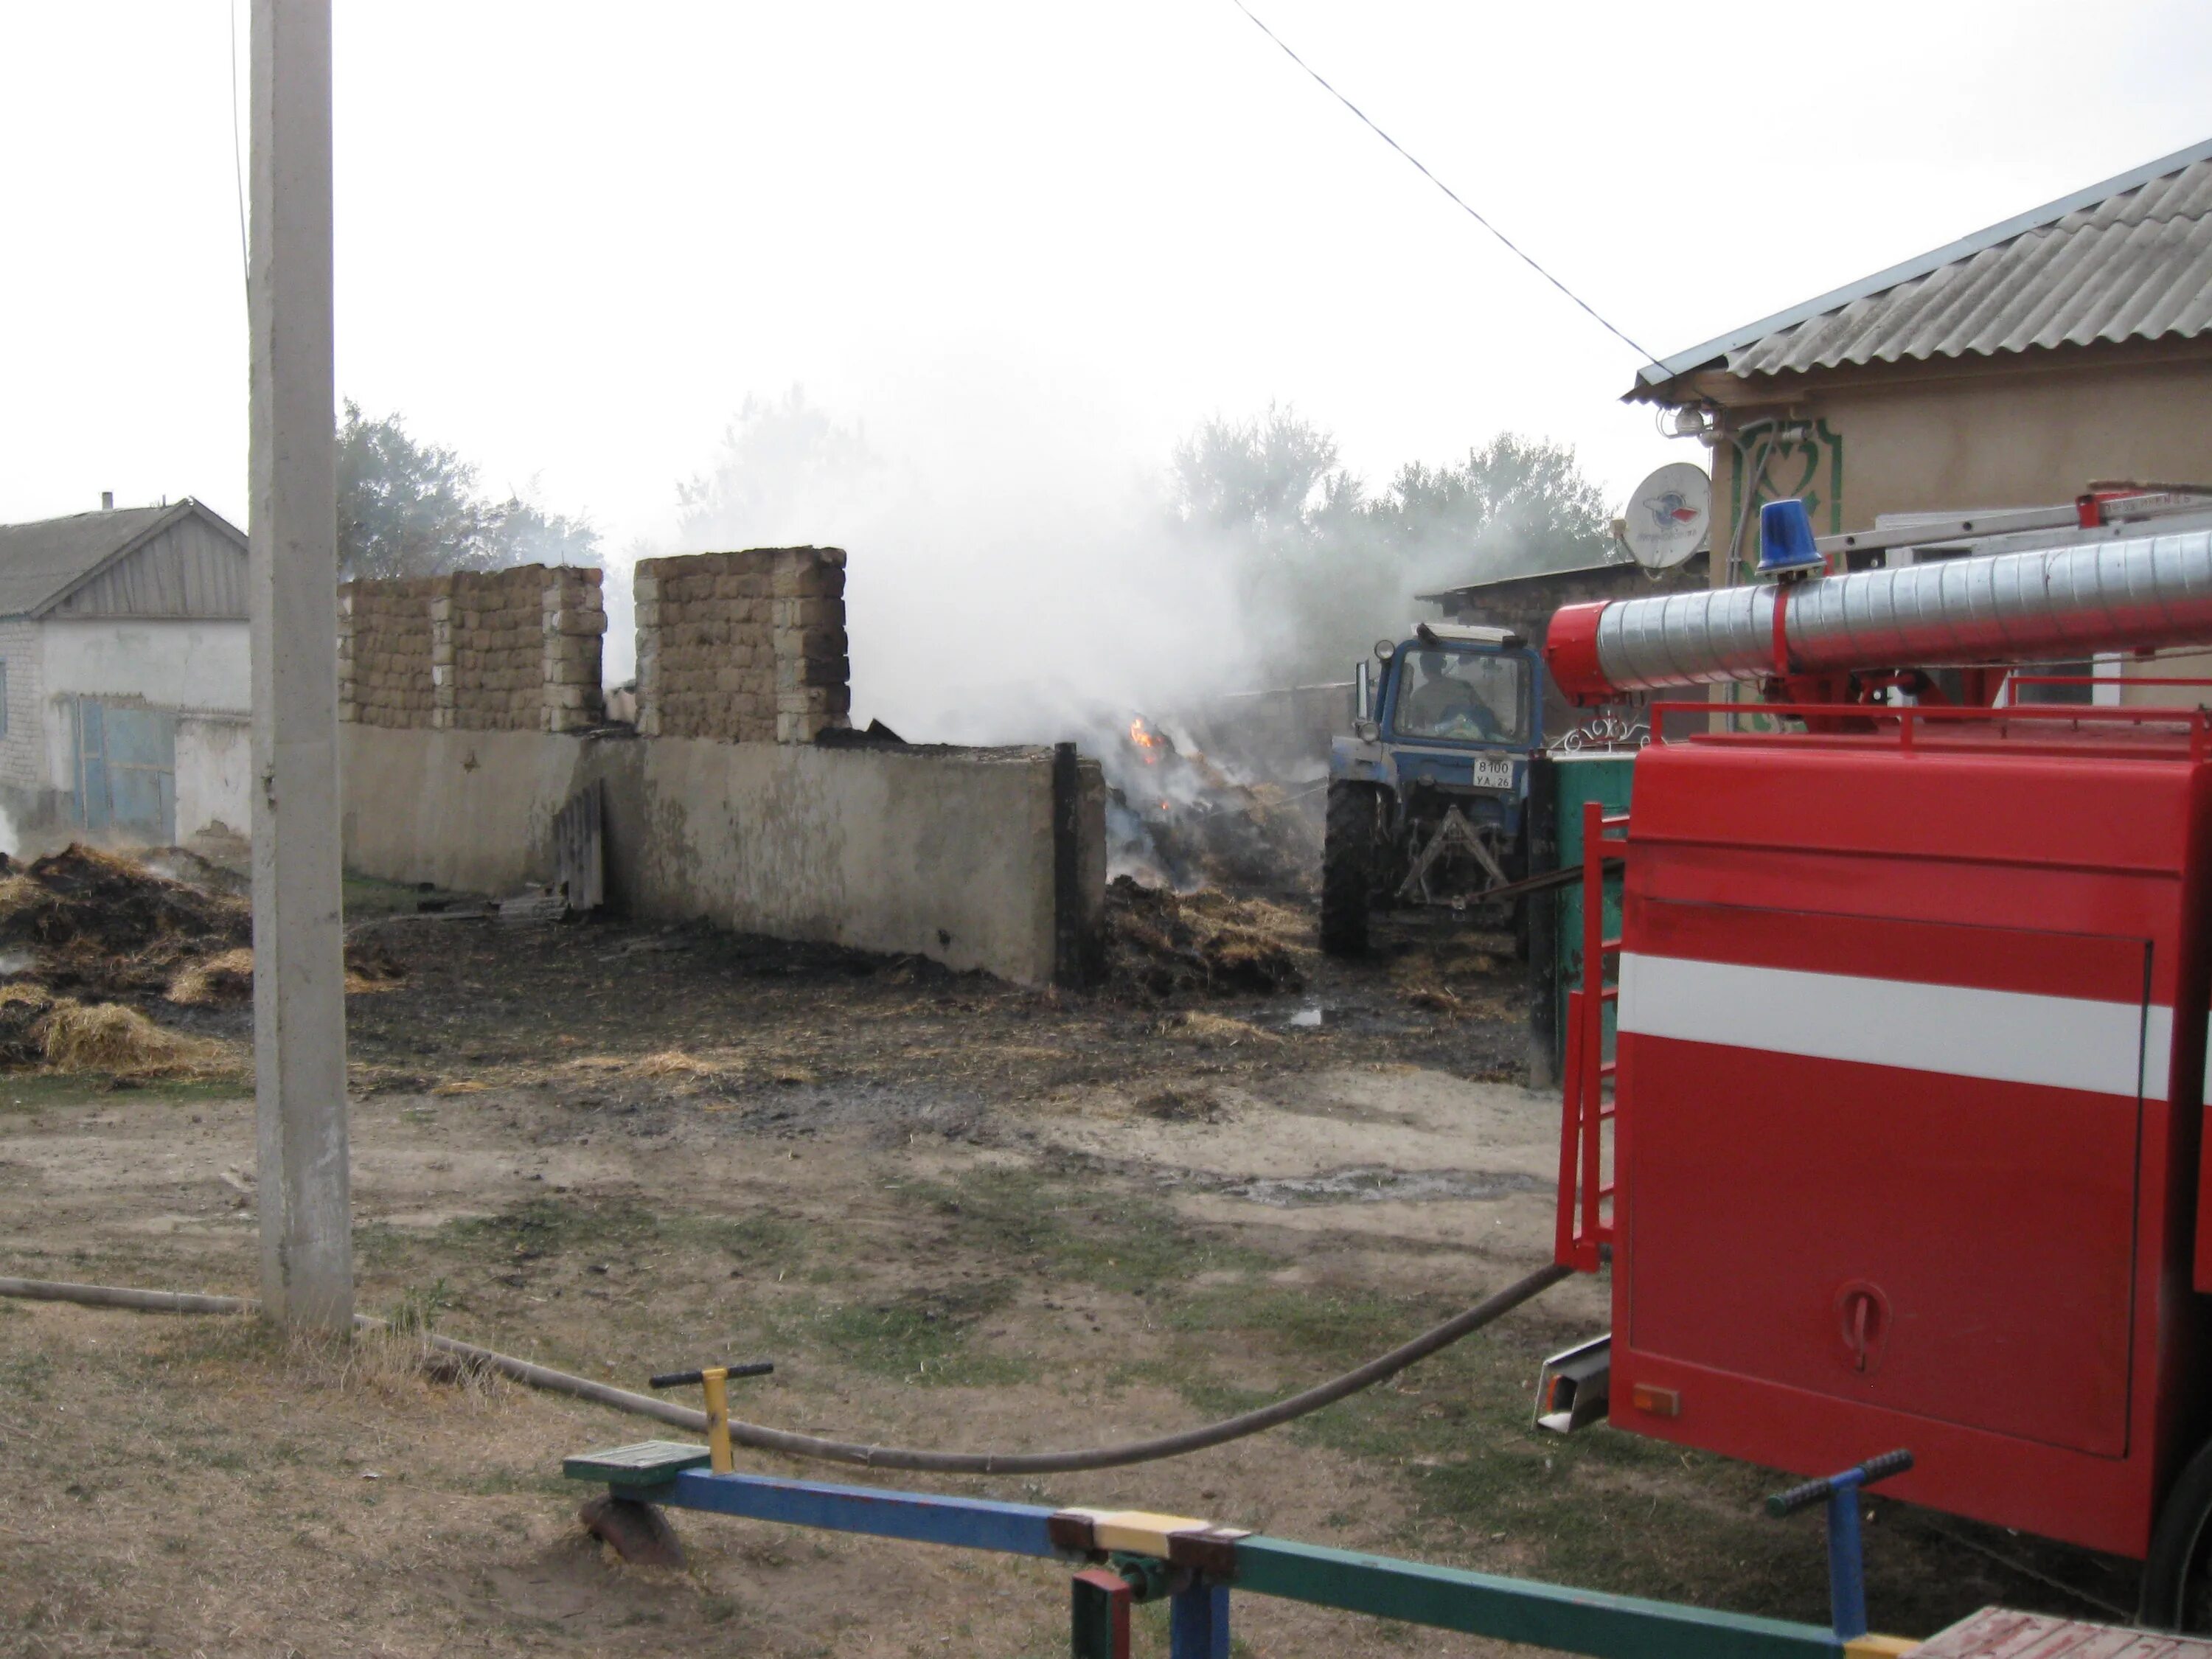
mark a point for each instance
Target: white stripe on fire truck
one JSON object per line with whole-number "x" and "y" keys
{"x": 2006, "y": 1036}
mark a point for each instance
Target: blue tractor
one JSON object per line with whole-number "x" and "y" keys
{"x": 1428, "y": 798}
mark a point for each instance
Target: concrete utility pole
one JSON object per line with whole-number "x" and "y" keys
{"x": 298, "y": 965}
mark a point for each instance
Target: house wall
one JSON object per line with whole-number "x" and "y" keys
{"x": 23, "y": 764}
{"x": 215, "y": 778}
{"x": 2026, "y": 432}
{"x": 2029, "y": 430}
{"x": 198, "y": 667}
{"x": 170, "y": 663}
{"x": 945, "y": 853}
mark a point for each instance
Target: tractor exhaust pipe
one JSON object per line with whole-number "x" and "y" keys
{"x": 2133, "y": 595}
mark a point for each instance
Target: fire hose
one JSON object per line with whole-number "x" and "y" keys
{"x": 762, "y": 1438}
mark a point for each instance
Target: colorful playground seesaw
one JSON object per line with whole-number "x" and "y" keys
{"x": 1121, "y": 1558}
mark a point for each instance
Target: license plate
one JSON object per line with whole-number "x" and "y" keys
{"x": 1491, "y": 772}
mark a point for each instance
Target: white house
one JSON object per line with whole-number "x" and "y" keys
{"x": 125, "y": 689}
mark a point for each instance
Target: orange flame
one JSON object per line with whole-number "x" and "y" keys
{"x": 1145, "y": 739}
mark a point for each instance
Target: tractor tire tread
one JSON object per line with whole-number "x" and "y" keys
{"x": 1348, "y": 868}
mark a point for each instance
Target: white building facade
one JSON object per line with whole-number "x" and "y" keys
{"x": 125, "y": 687}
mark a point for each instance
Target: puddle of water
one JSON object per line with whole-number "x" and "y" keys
{"x": 1372, "y": 1183}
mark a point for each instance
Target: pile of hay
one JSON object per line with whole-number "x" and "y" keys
{"x": 1206, "y": 943}
{"x": 96, "y": 924}
{"x": 90, "y": 941}
{"x": 38, "y": 1028}
{"x": 228, "y": 978}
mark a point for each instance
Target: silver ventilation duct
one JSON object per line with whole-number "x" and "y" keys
{"x": 2063, "y": 602}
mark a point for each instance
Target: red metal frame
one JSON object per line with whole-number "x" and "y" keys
{"x": 1585, "y": 1233}
{"x": 1855, "y": 720}
{"x": 2116, "y": 680}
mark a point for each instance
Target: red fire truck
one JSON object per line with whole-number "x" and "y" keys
{"x": 1898, "y": 1143}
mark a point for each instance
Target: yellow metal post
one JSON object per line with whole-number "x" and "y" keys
{"x": 713, "y": 1383}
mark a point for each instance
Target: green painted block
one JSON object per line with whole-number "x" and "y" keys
{"x": 647, "y": 1463}
{"x": 1517, "y": 1610}
{"x": 1607, "y": 780}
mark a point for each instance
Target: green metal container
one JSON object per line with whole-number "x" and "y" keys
{"x": 1605, "y": 779}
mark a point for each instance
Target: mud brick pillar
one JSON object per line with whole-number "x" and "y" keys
{"x": 746, "y": 647}
{"x": 806, "y": 636}
{"x": 305, "y": 1179}
{"x": 349, "y": 688}
{"x": 438, "y": 603}
{"x": 645, "y": 596}
{"x": 575, "y": 625}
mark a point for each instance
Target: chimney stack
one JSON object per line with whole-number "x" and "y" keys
{"x": 107, "y": 501}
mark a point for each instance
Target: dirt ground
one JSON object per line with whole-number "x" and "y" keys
{"x": 954, "y": 1213}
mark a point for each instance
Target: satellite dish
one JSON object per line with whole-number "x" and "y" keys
{"x": 1667, "y": 515}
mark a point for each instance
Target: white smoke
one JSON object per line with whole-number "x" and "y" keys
{"x": 1012, "y": 576}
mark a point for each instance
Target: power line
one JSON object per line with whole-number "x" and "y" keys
{"x": 1527, "y": 259}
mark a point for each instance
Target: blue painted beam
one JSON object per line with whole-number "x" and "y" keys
{"x": 1447, "y": 1598}
{"x": 975, "y": 1524}
{"x": 1518, "y": 1609}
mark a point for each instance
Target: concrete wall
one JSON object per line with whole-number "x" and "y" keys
{"x": 172, "y": 664}
{"x": 947, "y": 853}
{"x": 215, "y": 780}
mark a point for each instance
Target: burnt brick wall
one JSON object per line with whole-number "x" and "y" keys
{"x": 385, "y": 652}
{"x": 744, "y": 646}
{"x": 513, "y": 650}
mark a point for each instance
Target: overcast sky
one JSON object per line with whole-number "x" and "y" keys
{"x": 1021, "y": 242}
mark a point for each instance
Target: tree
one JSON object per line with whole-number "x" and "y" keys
{"x": 784, "y": 466}
{"x": 1323, "y": 569}
{"x": 1519, "y": 505}
{"x": 1259, "y": 478}
{"x": 409, "y": 509}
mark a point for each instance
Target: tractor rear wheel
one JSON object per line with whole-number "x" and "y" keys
{"x": 1350, "y": 853}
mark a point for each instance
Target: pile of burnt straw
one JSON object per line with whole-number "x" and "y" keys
{"x": 1242, "y": 836}
{"x": 1161, "y": 943}
{"x": 91, "y": 942}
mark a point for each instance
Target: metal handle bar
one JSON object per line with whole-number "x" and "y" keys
{"x": 684, "y": 1379}
{"x": 1818, "y": 1492}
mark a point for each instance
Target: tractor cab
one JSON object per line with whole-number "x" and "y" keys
{"x": 1427, "y": 795}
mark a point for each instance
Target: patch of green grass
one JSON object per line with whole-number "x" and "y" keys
{"x": 1041, "y": 1224}
{"x": 1614, "y": 1511}
{"x": 923, "y": 1338}
{"x": 26, "y": 1375}
{"x": 562, "y": 1226}
{"x": 1334, "y": 1327}
{"x": 368, "y": 896}
{"x": 229, "y": 1087}
{"x": 418, "y": 1310}
{"x": 34, "y": 1092}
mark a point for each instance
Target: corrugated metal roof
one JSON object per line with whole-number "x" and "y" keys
{"x": 2127, "y": 259}
{"x": 41, "y": 562}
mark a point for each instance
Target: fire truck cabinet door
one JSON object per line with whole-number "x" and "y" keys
{"x": 1849, "y": 1175}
